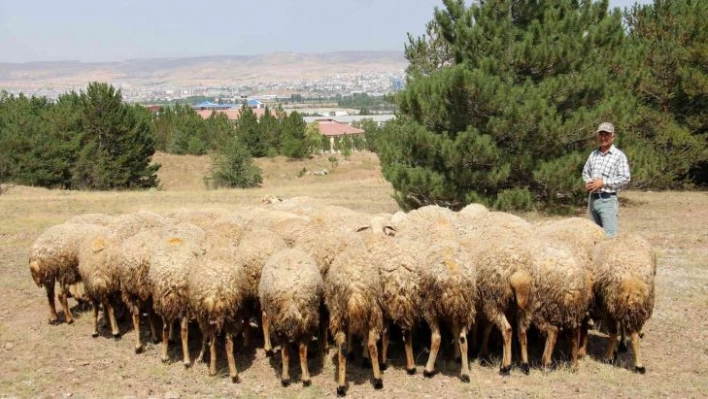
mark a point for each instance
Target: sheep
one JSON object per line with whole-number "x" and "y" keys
{"x": 54, "y": 258}
{"x": 496, "y": 242}
{"x": 428, "y": 221}
{"x": 448, "y": 284}
{"x": 202, "y": 218}
{"x": 353, "y": 298}
{"x": 216, "y": 299}
{"x": 171, "y": 263}
{"x": 252, "y": 252}
{"x": 562, "y": 294}
{"x": 136, "y": 289}
{"x": 582, "y": 235}
{"x": 100, "y": 259}
{"x": 91, "y": 218}
{"x": 290, "y": 292}
{"x": 625, "y": 268}
{"x": 400, "y": 288}
{"x": 129, "y": 224}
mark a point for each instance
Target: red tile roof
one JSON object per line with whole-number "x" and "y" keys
{"x": 329, "y": 128}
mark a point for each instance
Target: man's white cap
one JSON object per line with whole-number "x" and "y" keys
{"x": 606, "y": 127}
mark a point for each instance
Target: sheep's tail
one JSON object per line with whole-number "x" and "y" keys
{"x": 356, "y": 313}
{"x": 634, "y": 292}
{"x": 292, "y": 320}
{"x": 520, "y": 283}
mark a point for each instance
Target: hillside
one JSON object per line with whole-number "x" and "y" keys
{"x": 195, "y": 71}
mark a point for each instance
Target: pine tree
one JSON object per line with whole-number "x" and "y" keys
{"x": 233, "y": 167}
{"x": 249, "y": 131}
{"x": 295, "y": 143}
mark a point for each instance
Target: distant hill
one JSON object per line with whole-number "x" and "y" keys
{"x": 194, "y": 71}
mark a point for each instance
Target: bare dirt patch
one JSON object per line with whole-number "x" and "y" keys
{"x": 40, "y": 360}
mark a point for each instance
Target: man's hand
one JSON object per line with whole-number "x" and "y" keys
{"x": 594, "y": 185}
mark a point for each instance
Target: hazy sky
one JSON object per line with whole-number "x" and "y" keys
{"x": 113, "y": 30}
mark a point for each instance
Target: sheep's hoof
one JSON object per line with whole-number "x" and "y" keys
{"x": 165, "y": 359}
{"x": 525, "y": 368}
{"x": 117, "y": 337}
{"x": 505, "y": 371}
{"x": 70, "y": 321}
{"x": 285, "y": 383}
{"x": 383, "y": 366}
{"x": 378, "y": 383}
{"x": 465, "y": 378}
{"x": 187, "y": 365}
{"x": 269, "y": 353}
{"x": 156, "y": 340}
{"x": 366, "y": 363}
{"x": 138, "y": 350}
{"x": 53, "y": 322}
{"x": 234, "y": 379}
{"x": 622, "y": 347}
{"x": 95, "y": 334}
{"x": 428, "y": 374}
{"x": 609, "y": 360}
{"x": 640, "y": 370}
{"x": 641, "y": 335}
{"x": 306, "y": 383}
{"x": 411, "y": 371}
{"x": 341, "y": 392}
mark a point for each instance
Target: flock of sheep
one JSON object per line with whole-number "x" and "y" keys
{"x": 314, "y": 269}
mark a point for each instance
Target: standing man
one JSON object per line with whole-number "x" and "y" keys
{"x": 605, "y": 172}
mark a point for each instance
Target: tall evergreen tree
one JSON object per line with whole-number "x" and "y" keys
{"x": 248, "y": 130}
{"x": 295, "y": 143}
{"x": 511, "y": 119}
{"x": 117, "y": 142}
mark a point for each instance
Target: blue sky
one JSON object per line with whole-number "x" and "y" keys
{"x": 114, "y": 30}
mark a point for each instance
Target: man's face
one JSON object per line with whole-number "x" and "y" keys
{"x": 606, "y": 139}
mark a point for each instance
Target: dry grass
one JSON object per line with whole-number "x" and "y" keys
{"x": 39, "y": 360}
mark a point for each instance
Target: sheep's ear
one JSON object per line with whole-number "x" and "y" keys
{"x": 390, "y": 231}
{"x": 360, "y": 229}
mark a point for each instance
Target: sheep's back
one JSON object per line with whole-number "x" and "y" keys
{"x": 100, "y": 261}
{"x": 170, "y": 266}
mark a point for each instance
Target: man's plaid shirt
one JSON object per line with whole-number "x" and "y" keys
{"x": 612, "y": 167}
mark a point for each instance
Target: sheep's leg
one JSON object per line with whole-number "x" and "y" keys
{"x": 384, "y": 347}
{"x": 112, "y": 319}
{"x": 135, "y": 313}
{"x": 65, "y": 306}
{"x": 94, "y": 306}
{"x": 612, "y": 343}
{"x": 303, "y": 362}
{"x": 622, "y": 348}
{"x": 583, "y": 338}
{"x": 153, "y": 329}
{"x": 484, "y": 348}
{"x": 638, "y": 368}
{"x": 285, "y": 359}
{"x": 323, "y": 338}
{"x": 233, "y": 373}
{"x": 410, "y": 360}
{"x": 166, "y": 329}
{"x": 462, "y": 339}
{"x": 171, "y": 336}
{"x": 53, "y": 317}
{"x": 551, "y": 336}
{"x": 429, "y": 370}
{"x": 503, "y": 325}
{"x": 350, "y": 346}
{"x": 575, "y": 346}
{"x": 265, "y": 324}
{"x": 455, "y": 341}
{"x": 184, "y": 334}
{"x": 522, "y": 327}
{"x": 374, "y": 356}
{"x": 342, "y": 360}
{"x": 202, "y": 351}
{"x": 212, "y": 353}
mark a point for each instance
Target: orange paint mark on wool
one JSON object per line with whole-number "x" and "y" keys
{"x": 98, "y": 244}
{"x": 449, "y": 262}
{"x": 175, "y": 240}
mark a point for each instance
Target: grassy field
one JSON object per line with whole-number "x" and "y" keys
{"x": 40, "y": 360}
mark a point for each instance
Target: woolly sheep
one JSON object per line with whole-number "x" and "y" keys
{"x": 290, "y": 292}
{"x": 353, "y": 298}
{"x": 216, "y": 300}
{"x": 129, "y": 224}
{"x": 171, "y": 263}
{"x": 136, "y": 289}
{"x": 401, "y": 296}
{"x": 91, "y": 218}
{"x": 100, "y": 259}
{"x": 448, "y": 284}
{"x": 425, "y": 222}
{"x": 625, "y": 268}
{"x": 54, "y": 258}
{"x": 562, "y": 294}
